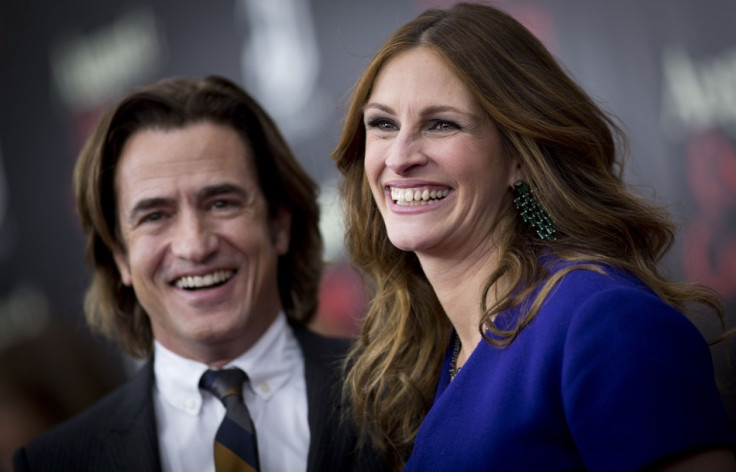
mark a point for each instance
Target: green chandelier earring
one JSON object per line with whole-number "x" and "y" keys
{"x": 532, "y": 213}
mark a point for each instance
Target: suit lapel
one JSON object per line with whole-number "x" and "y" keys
{"x": 329, "y": 447}
{"x": 132, "y": 440}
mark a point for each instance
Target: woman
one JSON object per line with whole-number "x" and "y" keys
{"x": 517, "y": 299}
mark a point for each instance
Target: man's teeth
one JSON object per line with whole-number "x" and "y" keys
{"x": 202, "y": 281}
{"x": 419, "y": 196}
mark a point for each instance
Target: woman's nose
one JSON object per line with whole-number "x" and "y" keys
{"x": 406, "y": 153}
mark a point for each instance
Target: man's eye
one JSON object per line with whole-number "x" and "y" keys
{"x": 151, "y": 217}
{"x": 223, "y": 204}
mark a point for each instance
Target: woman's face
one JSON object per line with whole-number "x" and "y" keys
{"x": 433, "y": 158}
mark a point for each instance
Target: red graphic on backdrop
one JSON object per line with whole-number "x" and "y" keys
{"x": 710, "y": 237}
{"x": 533, "y": 15}
{"x": 342, "y": 301}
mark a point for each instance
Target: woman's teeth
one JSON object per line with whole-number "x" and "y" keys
{"x": 419, "y": 196}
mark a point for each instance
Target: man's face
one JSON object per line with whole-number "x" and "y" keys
{"x": 198, "y": 248}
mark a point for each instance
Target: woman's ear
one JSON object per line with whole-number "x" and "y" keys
{"x": 516, "y": 173}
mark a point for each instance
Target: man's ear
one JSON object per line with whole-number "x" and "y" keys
{"x": 121, "y": 260}
{"x": 281, "y": 231}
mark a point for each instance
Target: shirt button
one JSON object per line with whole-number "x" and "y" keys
{"x": 190, "y": 403}
{"x": 264, "y": 388}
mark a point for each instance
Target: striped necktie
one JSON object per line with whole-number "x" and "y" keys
{"x": 236, "y": 449}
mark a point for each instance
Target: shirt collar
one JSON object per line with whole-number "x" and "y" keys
{"x": 269, "y": 363}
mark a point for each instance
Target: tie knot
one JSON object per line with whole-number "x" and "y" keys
{"x": 223, "y": 383}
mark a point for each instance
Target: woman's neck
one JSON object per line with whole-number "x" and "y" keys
{"x": 458, "y": 284}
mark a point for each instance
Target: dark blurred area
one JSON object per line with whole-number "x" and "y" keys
{"x": 666, "y": 68}
{"x": 50, "y": 370}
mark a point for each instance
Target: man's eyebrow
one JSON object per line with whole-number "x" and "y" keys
{"x": 147, "y": 204}
{"x": 221, "y": 189}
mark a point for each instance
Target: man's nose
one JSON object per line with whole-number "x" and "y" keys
{"x": 193, "y": 238}
{"x": 405, "y": 153}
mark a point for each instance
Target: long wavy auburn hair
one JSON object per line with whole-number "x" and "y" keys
{"x": 571, "y": 153}
{"x": 111, "y": 307}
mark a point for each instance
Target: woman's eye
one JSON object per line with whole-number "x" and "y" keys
{"x": 380, "y": 124}
{"x": 443, "y": 125}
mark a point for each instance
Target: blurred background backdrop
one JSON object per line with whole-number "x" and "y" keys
{"x": 666, "y": 68}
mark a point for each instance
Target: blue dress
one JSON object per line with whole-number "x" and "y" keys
{"x": 606, "y": 378}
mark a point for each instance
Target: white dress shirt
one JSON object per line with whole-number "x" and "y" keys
{"x": 187, "y": 418}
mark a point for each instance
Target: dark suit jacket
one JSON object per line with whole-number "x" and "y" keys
{"x": 119, "y": 432}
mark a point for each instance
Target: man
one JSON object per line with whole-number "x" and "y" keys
{"x": 202, "y": 230}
